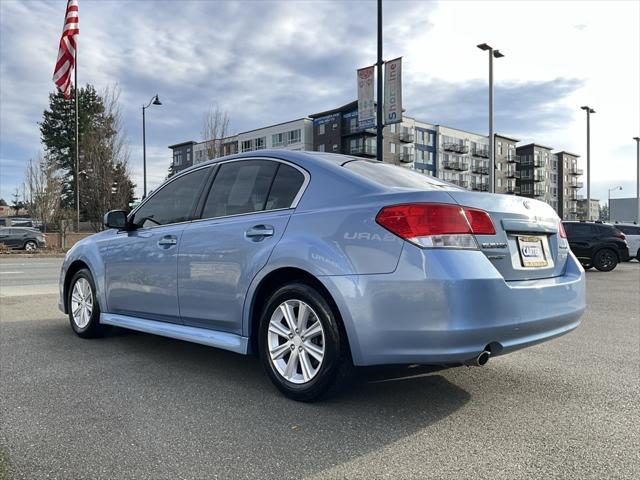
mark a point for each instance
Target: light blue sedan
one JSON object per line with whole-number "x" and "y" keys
{"x": 318, "y": 262}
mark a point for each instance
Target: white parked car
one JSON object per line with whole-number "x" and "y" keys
{"x": 632, "y": 232}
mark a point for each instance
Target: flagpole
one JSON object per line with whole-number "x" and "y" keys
{"x": 75, "y": 73}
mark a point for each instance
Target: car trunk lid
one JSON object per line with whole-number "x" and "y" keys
{"x": 527, "y": 243}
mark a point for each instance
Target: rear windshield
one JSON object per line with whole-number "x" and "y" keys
{"x": 393, "y": 176}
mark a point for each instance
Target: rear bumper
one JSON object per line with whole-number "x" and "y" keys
{"x": 445, "y": 307}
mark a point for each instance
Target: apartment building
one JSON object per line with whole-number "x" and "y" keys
{"x": 293, "y": 135}
{"x": 506, "y": 172}
{"x": 594, "y": 211}
{"x": 538, "y": 173}
{"x": 463, "y": 158}
{"x": 182, "y": 156}
{"x": 568, "y": 185}
{"x": 452, "y": 154}
{"x": 409, "y": 144}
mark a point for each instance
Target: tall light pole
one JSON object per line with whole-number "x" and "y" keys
{"x": 154, "y": 101}
{"x": 379, "y": 119}
{"x": 492, "y": 164}
{"x": 609, "y": 200}
{"x": 637, "y": 139}
{"x": 589, "y": 111}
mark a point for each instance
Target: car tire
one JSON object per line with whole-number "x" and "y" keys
{"x": 82, "y": 304}
{"x": 303, "y": 369}
{"x": 30, "y": 245}
{"x": 605, "y": 260}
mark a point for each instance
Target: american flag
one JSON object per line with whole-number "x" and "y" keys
{"x": 66, "y": 62}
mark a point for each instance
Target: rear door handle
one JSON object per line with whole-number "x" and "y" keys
{"x": 260, "y": 231}
{"x": 168, "y": 241}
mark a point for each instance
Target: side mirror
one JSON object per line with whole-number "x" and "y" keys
{"x": 116, "y": 219}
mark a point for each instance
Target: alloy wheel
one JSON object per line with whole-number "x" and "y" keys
{"x": 296, "y": 341}
{"x": 81, "y": 303}
{"x": 30, "y": 246}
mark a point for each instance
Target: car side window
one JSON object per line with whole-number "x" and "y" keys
{"x": 173, "y": 203}
{"x": 285, "y": 187}
{"x": 240, "y": 187}
{"x": 582, "y": 230}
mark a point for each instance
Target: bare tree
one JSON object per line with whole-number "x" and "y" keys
{"x": 105, "y": 181}
{"x": 215, "y": 130}
{"x": 43, "y": 187}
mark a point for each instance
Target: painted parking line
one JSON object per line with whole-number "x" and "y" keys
{"x": 10, "y": 273}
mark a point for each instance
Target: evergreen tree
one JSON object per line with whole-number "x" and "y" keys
{"x": 57, "y": 131}
{"x": 104, "y": 178}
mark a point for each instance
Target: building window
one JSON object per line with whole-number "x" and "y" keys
{"x": 432, "y": 139}
{"x": 321, "y": 129}
{"x": 392, "y": 147}
{"x": 277, "y": 140}
{"x": 177, "y": 158}
{"x": 247, "y": 145}
{"x": 499, "y": 148}
{"x": 261, "y": 143}
{"x": 334, "y": 126}
{"x": 294, "y": 136}
{"x": 335, "y": 147}
{"x": 321, "y": 148}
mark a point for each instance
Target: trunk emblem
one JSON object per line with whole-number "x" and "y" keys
{"x": 526, "y": 203}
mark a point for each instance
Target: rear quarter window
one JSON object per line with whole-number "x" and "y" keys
{"x": 627, "y": 230}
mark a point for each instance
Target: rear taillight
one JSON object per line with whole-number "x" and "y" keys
{"x": 436, "y": 224}
{"x": 561, "y": 231}
{"x": 620, "y": 235}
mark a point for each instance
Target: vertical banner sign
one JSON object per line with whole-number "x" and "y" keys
{"x": 366, "y": 105}
{"x": 393, "y": 91}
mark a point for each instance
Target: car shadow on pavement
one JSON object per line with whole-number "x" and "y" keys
{"x": 161, "y": 407}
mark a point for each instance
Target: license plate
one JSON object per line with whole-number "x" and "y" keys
{"x": 532, "y": 252}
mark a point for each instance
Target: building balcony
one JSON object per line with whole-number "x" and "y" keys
{"x": 512, "y": 189}
{"x": 576, "y": 185}
{"x": 447, "y": 164}
{"x": 405, "y": 157}
{"x": 406, "y": 137}
{"x": 538, "y": 192}
{"x": 460, "y": 183}
{"x": 538, "y": 176}
{"x": 366, "y": 150}
{"x": 354, "y": 129}
{"x": 513, "y": 158}
{"x": 480, "y": 187}
{"x": 481, "y": 152}
{"x": 513, "y": 174}
{"x": 480, "y": 169}
{"x": 460, "y": 166}
{"x": 575, "y": 171}
{"x": 455, "y": 147}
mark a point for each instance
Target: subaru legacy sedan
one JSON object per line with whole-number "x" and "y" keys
{"x": 317, "y": 262}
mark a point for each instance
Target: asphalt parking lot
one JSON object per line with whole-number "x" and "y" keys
{"x": 139, "y": 406}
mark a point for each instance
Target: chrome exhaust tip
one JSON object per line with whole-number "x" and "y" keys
{"x": 481, "y": 360}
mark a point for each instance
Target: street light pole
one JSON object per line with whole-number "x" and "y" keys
{"x": 492, "y": 164}
{"x": 609, "y": 200}
{"x": 637, "y": 139}
{"x": 379, "y": 121}
{"x": 589, "y": 111}
{"x": 154, "y": 101}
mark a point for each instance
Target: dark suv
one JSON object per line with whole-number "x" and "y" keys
{"x": 597, "y": 244}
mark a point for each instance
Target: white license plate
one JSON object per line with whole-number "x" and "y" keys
{"x": 532, "y": 252}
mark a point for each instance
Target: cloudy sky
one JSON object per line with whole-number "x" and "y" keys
{"x": 266, "y": 62}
